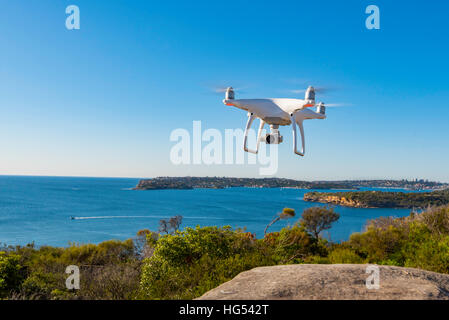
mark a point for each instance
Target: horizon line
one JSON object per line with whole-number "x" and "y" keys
{"x": 164, "y": 176}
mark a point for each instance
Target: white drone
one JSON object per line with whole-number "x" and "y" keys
{"x": 277, "y": 112}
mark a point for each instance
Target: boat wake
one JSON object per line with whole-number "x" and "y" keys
{"x": 140, "y": 217}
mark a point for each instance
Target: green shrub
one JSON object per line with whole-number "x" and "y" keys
{"x": 189, "y": 245}
{"x": 426, "y": 249}
{"x": 109, "y": 270}
{"x": 377, "y": 245}
{"x": 40, "y": 284}
{"x": 292, "y": 245}
{"x": 436, "y": 219}
{"x": 419, "y": 241}
{"x": 11, "y": 275}
{"x": 344, "y": 255}
{"x": 186, "y": 264}
{"x": 190, "y": 262}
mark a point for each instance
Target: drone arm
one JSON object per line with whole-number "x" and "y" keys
{"x": 301, "y": 129}
{"x": 251, "y": 118}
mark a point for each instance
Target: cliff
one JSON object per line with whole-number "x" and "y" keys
{"x": 331, "y": 282}
{"x": 381, "y": 199}
{"x": 333, "y": 199}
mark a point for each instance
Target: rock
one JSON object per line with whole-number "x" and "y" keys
{"x": 333, "y": 199}
{"x": 331, "y": 282}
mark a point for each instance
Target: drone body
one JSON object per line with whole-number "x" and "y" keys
{"x": 277, "y": 112}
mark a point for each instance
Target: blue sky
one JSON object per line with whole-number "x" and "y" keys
{"x": 103, "y": 100}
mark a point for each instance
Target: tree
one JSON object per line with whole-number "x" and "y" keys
{"x": 141, "y": 247}
{"x": 175, "y": 222}
{"x": 318, "y": 219}
{"x": 171, "y": 225}
{"x": 10, "y": 273}
{"x": 285, "y": 214}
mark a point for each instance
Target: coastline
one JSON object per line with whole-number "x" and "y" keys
{"x": 381, "y": 199}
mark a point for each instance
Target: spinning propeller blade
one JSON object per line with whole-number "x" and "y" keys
{"x": 332, "y": 105}
{"x": 317, "y": 90}
{"x": 220, "y": 89}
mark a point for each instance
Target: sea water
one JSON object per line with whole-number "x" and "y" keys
{"x": 39, "y": 209}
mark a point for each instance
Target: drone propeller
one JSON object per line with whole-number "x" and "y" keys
{"x": 305, "y": 83}
{"x": 332, "y": 105}
{"x": 223, "y": 89}
{"x": 220, "y": 89}
{"x": 322, "y": 90}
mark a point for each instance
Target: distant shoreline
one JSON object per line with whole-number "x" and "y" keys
{"x": 381, "y": 199}
{"x": 188, "y": 183}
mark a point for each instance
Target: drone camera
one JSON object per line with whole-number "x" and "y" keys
{"x": 273, "y": 138}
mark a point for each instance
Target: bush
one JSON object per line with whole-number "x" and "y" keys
{"x": 190, "y": 262}
{"x": 111, "y": 282}
{"x": 419, "y": 241}
{"x": 187, "y": 264}
{"x": 436, "y": 219}
{"x": 185, "y": 247}
{"x": 344, "y": 255}
{"x": 426, "y": 249}
{"x": 40, "y": 284}
{"x": 292, "y": 245}
{"x": 109, "y": 270}
{"x": 11, "y": 275}
{"x": 379, "y": 245}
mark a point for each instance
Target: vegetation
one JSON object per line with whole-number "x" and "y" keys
{"x": 419, "y": 241}
{"x": 10, "y": 273}
{"x": 109, "y": 270}
{"x": 184, "y": 264}
{"x": 223, "y": 182}
{"x": 171, "y": 225}
{"x": 318, "y": 219}
{"x": 380, "y": 199}
{"x": 415, "y": 184}
{"x": 285, "y": 214}
{"x": 226, "y": 182}
{"x": 191, "y": 262}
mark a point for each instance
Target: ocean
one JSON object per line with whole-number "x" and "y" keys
{"x": 39, "y": 209}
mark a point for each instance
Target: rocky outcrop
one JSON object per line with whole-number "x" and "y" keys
{"x": 331, "y": 282}
{"x": 333, "y": 199}
{"x": 381, "y": 199}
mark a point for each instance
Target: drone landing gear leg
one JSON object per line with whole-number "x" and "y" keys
{"x": 301, "y": 129}
{"x": 251, "y": 118}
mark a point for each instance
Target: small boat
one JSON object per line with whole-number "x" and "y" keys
{"x": 72, "y": 218}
